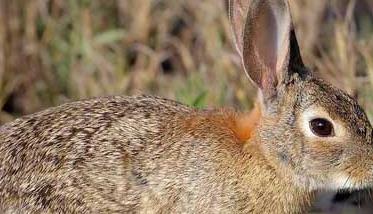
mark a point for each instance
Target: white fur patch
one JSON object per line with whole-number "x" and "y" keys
{"x": 341, "y": 181}
{"x": 334, "y": 183}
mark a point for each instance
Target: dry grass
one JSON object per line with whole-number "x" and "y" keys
{"x": 52, "y": 51}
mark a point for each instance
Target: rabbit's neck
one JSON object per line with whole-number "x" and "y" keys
{"x": 252, "y": 184}
{"x": 277, "y": 193}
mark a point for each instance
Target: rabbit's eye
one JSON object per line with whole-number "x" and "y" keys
{"x": 322, "y": 127}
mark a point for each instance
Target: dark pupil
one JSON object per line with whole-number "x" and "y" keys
{"x": 321, "y": 127}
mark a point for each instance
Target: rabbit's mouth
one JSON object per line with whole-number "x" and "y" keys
{"x": 345, "y": 180}
{"x": 331, "y": 180}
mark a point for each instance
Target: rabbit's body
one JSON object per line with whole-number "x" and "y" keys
{"x": 137, "y": 154}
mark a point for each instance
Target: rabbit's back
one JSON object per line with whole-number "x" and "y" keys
{"x": 123, "y": 154}
{"x": 63, "y": 157}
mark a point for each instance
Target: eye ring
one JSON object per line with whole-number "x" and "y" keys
{"x": 322, "y": 127}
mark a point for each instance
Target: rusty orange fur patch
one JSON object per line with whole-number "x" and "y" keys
{"x": 241, "y": 124}
{"x": 246, "y": 124}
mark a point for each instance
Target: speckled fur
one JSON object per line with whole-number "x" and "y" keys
{"x": 134, "y": 154}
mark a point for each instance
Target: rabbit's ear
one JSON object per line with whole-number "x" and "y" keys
{"x": 265, "y": 39}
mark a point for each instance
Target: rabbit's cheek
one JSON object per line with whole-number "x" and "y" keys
{"x": 321, "y": 162}
{"x": 360, "y": 169}
{"x": 323, "y": 154}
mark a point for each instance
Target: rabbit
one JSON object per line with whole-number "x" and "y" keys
{"x": 145, "y": 154}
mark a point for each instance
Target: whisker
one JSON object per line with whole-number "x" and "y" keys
{"x": 346, "y": 182}
{"x": 370, "y": 194}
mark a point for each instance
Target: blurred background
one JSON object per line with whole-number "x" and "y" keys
{"x": 55, "y": 51}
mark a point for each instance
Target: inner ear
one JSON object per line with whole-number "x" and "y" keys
{"x": 266, "y": 44}
{"x": 262, "y": 49}
{"x": 270, "y": 36}
{"x": 265, "y": 40}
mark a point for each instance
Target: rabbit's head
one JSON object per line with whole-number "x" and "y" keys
{"x": 316, "y": 134}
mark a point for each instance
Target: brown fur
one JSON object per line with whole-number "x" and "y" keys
{"x": 89, "y": 157}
